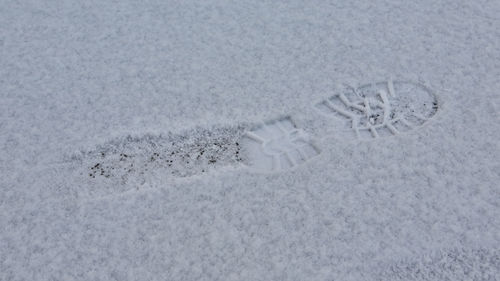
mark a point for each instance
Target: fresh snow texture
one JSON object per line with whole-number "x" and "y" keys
{"x": 249, "y": 140}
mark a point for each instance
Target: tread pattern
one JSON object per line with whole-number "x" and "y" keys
{"x": 278, "y": 145}
{"x": 381, "y": 109}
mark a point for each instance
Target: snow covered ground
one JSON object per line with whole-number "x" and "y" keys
{"x": 256, "y": 140}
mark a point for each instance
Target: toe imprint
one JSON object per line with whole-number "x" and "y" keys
{"x": 381, "y": 109}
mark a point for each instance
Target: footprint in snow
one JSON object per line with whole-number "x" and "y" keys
{"x": 381, "y": 109}
{"x": 367, "y": 112}
{"x": 278, "y": 145}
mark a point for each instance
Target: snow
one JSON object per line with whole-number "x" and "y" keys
{"x": 86, "y": 83}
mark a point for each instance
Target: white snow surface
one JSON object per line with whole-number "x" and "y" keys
{"x": 106, "y": 107}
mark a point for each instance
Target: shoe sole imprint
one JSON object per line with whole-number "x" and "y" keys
{"x": 381, "y": 109}
{"x": 369, "y": 111}
{"x": 277, "y": 145}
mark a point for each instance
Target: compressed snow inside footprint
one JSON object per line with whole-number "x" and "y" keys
{"x": 138, "y": 158}
{"x": 381, "y": 109}
{"x": 277, "y": 145}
